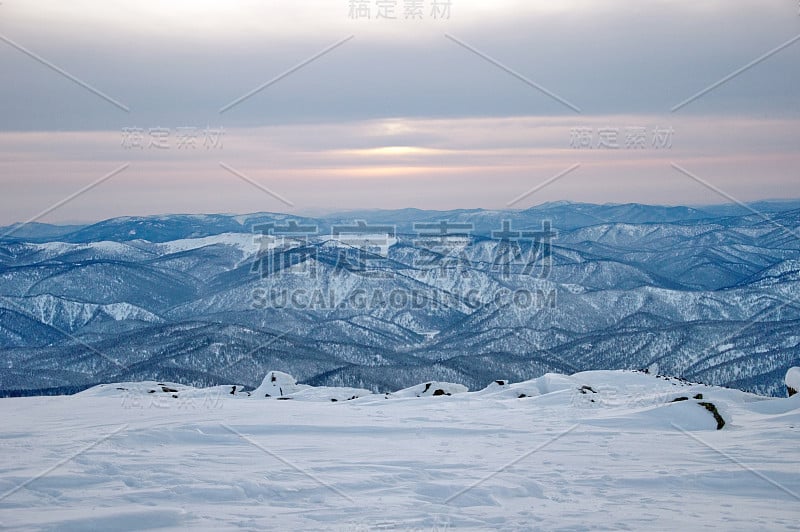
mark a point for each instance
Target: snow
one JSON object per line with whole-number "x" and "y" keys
{"x": 57, "y": 248}
{"x": 375, "y": 242}
{"x": 247, "y": 243}
{"x": 593, "y": 450}
{"x": 431, "y": 389}
{"x": 277, "y": 384}
{"x": 281, "y": 385}
{"x": 793, "y": 379}
{"x": 52, "y": 310}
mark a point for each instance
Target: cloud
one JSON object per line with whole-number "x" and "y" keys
{"x": 400, "y": 115}
{"x": 393, "y": 163}
{"x": 180, "y": 62}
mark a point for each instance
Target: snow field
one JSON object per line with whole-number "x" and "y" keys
{"x": 601, "y": 449}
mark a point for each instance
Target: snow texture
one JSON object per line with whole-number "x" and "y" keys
{"x": 593, "y": 450}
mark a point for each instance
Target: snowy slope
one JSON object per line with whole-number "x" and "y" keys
{"x": 593, "y": 450}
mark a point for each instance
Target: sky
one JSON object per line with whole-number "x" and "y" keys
{"x": 112, "y": 108}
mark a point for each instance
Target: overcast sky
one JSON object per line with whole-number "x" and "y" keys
{"x": 471, "y": 108}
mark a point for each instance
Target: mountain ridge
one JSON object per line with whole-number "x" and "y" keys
{"x": 336, "y": 306}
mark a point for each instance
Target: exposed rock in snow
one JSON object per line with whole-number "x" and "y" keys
{"x": 331, "y": 394}
{"x": 642, "y": 398}
{"x": 278, "y": 384}
{"x": 793, "y": 380}
{"x": 283, "y": 386}
{"x": 431, "y": 389}
{"x": 711, "y": 407}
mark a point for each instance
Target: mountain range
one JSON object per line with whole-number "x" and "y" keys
{"x": 384, "y": 300}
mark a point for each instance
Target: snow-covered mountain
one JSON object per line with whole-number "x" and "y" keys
{"x": 709, "y": 294}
